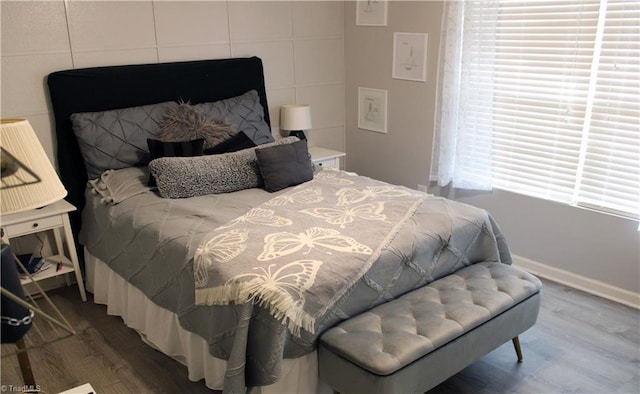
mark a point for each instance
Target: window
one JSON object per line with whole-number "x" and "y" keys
{"x": 542, "y": 98}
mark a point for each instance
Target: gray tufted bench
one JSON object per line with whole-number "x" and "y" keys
{"x": 415, "y": 342}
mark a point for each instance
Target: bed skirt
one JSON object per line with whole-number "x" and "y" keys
{"x": 160, "y": 329}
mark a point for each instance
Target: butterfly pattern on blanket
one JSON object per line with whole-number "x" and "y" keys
{"x": 299, "y": 252}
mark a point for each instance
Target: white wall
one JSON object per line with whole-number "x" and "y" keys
{"x": 402, "y": 155}
{"x": 590, "y": 250}
{"x": 301, "y": 45}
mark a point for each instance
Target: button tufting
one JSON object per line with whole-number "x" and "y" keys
{"x": 426, "y": 318}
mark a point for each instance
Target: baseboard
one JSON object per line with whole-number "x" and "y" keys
{"x": 579, "y": 282}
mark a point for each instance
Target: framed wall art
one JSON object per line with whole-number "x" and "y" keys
{"x": 371, "y": 13}
{"x": 372, "y": 109}
{"x": 410, "y": 56}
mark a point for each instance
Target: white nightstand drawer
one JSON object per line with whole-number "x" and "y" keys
{"x": 31, "y": 226}
{"x": 329, "y": 163}
{"x": 325, "y": 158}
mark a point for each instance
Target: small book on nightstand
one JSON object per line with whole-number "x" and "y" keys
{"x": 33, "y": 264}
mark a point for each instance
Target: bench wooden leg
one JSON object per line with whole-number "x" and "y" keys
{"x": 516, "y": 345}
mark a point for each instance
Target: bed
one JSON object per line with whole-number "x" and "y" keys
{"x": 163, "y": 264}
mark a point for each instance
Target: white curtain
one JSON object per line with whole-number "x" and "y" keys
{"x": 541, "y": 99}
{"x": 463, "y": 121}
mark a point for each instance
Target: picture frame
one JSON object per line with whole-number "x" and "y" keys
{"x": 410, "y": 56}
{"x": 372, "y": 109}
{"x": 371, "y": 12}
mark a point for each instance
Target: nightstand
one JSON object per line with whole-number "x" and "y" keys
{"x": 52, "y": 217}
{"x": 325, "y": 158}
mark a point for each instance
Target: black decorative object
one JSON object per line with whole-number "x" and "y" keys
{"x": 16, "y": 319}
{"x": 298, "y": 133}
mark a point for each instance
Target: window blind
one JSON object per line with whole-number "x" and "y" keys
{"x": 561, "y": 103}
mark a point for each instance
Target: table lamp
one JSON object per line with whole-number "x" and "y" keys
{"x": 29, "y": 180}
{"x": 296, "y": 118}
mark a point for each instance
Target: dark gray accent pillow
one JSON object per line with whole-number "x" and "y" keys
{"x": 185, "y": 122}
{"x": 244, "y": 113}
{"x": 117, "y": 138}
{"x": 284, "y": 165}
{"x": 159, "y": 148}
{"x": 181, "y": 177}
{"x": 238, "y": 142}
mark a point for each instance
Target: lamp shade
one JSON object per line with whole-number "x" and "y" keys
{"x": 28, "y": 179}
{"x": 295, "y": 117}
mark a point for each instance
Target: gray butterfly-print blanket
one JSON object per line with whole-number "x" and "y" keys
{"x": 297, "y": 254}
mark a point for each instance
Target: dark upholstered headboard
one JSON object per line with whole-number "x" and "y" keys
{"x": 107, "y": 88}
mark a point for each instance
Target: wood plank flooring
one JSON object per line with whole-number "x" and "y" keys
{"x": 580, "y": 344}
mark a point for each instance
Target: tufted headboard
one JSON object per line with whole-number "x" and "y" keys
{"x": 114, "y": 87}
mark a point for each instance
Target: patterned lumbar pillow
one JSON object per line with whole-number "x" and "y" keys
{"x": 185, "y": 122}
{"x": 173, "y": 149}
{"x": 181, "y": 177}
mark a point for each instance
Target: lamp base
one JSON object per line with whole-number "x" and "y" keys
{"x": 298, "y": 133}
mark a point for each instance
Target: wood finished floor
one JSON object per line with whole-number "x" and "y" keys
{"x": 580, "y": 344}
